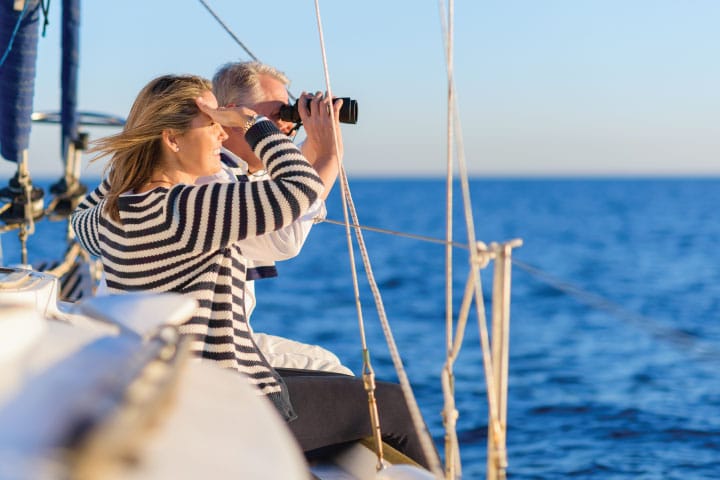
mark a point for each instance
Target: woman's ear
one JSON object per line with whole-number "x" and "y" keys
{"x": 170, "y": 139}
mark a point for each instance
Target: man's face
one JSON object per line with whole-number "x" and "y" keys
{"x": 274, "y": 95}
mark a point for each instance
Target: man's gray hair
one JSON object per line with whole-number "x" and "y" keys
{"x": 238, "y": 82}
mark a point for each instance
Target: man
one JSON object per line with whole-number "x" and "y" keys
{"x": 264, "y": 89}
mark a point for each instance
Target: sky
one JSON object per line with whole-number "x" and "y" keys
{"x": 544, "y": 87}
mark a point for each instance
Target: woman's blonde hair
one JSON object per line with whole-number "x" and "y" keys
{"x": 167, "y": 102}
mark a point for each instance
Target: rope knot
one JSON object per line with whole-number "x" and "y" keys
{"x": 483, "y": 254}
{"x": 450, "y": 416}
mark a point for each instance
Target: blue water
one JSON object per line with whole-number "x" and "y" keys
{"x": 625, "y": 388}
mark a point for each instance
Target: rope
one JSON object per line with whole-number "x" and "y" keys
{"x": 496, "y": 434}
{"x": 14, "y": 33}
{"x": 348, "y": 206}
{"x": 28, "y": 226}
{"x": 227, "y": 29}
{"x": 450, "y": 414}
{"x": 235, "y": 37}
{"x": 71, "y": 255}
{"x": 396, "y": 233}
{"x": 368, "y": 373}
{"x": 676, "y": 337}
{"x": 46, "y": 15}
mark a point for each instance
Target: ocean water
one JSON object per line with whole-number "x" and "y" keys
{"x": 614, "y": 345}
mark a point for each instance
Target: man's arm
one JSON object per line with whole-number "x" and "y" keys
{"x": 286, "y": 242}
{"x": 276, "y": 245}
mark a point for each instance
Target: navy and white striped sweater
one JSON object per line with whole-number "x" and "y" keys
{"x": 182, "y": 239}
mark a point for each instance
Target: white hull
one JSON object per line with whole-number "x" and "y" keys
{"x": 175, "y": 417}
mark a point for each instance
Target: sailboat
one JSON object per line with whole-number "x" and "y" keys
{"x": 103, "y": 386}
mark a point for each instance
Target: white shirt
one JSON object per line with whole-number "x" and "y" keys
{"x": 272, "y": 246}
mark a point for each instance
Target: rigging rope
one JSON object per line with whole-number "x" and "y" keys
{"x": 235, "y": 37}
{"x": 46, "y": 15}
{"x": 227, "y": 29}
{"x": 349, "y": 207}
{"x": 497, "y": 460}
{"x": 423, "y": 238}
{"x": 14, "y": 34}
{"x": 674, "y": 336}
{"x": 45, "y": 10}
{"x": 450, "y": 414}
{"x": 368, "y": 373}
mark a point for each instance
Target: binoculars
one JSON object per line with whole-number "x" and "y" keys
{"x": 348, "y": 111}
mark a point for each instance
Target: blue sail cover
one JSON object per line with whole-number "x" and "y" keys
{"x": 17, "y": 76}
{"x": 69, "y": 72}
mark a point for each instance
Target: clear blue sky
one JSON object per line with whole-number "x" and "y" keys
{"x": 545, "y": 87}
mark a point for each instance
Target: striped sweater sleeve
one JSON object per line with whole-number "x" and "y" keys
{"x": 203, "y": 218}
{"x": 87, "y": 214}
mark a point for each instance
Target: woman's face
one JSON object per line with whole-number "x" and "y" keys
{"x": 199, "y": 147}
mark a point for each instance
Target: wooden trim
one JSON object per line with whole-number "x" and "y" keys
{"x": 391, "y": 455}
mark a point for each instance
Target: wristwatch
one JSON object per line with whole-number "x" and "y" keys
{"x": 250, "y": 122}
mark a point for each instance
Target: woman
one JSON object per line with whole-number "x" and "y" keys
{"x": 155, "y": 229}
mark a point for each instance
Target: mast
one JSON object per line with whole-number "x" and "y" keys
{"x": 68, "y": 191}
{"x": 69, "y": 72}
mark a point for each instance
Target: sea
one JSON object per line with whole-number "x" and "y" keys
{"x": 614, "y": 329}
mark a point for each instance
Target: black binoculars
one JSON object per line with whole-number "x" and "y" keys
{"x": 348, "y": 111}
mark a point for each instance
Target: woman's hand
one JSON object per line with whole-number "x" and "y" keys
{"x": 241, "y": 117}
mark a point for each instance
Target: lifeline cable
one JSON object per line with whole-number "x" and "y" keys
{"x": 674, "y": 336}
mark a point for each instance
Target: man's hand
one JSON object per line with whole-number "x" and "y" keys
{"x": 318, "y": 122}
